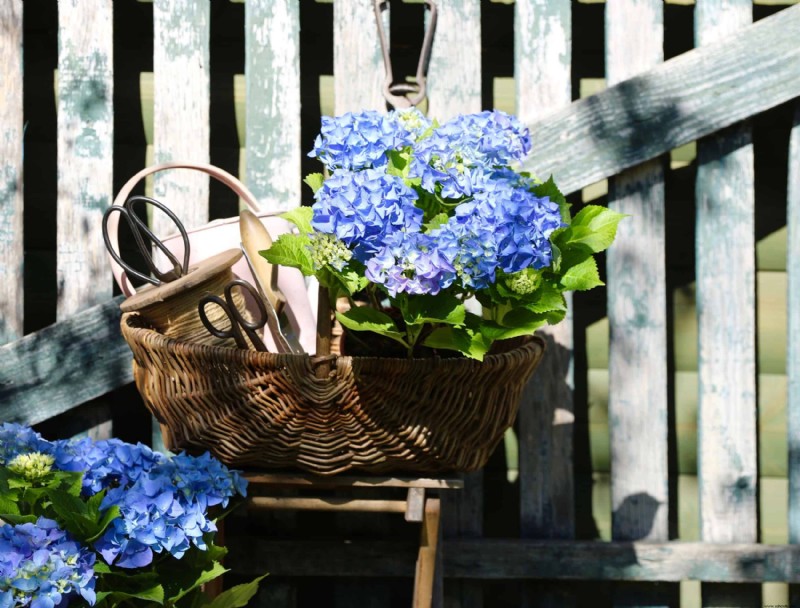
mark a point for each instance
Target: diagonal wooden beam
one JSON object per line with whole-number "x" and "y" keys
{"x": 61, "y": 366}
{"x": 679, "y": 101}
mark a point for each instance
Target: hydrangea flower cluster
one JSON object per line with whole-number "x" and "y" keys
{"x": 40, "y": 566}
{"x": 497, "y": 222}
{"x": 165, "y": 506}
{"x": 434, "y": 217}
{"x": 165, "y": 509}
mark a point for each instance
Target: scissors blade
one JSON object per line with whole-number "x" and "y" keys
{"x": 286, "y": 342}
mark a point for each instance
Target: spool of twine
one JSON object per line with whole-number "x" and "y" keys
{"x": 178, "y": 318}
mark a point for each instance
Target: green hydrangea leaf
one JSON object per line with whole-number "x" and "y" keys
{"x": 517, "y": 322}
{"x": 547, "y": 298}
{"x": 290, "y": 250}
{"x": 314, "y": 181}
{"x": 238, "y": 596}
{"x": 15, "y": 519}
{"x": 300, "y": 217}
{"x": 582, "y": 276}
{"x": 594, "y": 227}
{"x": 441, "y": 308}
{"x": 550, "y": 190}
{"x": 436, "y": 221}
{"x": 462, "y": 339}
{"x": 364, "y": 318}
{"x": 342, "y": 283}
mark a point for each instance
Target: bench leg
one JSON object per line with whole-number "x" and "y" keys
{"x": 426, "y": 558}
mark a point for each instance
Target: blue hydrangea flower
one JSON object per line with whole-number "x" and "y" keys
{"x": 16, "y": 439}
{"x": 41, "y": 567}
{"x": 358, "y": 140}
{"x": 502, "y": 227}
{"x": 166, "y": 509}
{"x": 460, "y": 153}
{"x": 361, "y": 208}
{"x": 413, "y": 263}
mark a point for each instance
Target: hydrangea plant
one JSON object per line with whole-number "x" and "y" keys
{"x": 416, "y": 218}
{"x": 107, "y": 523}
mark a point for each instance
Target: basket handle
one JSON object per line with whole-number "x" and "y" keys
{"x": 113, "y": 221}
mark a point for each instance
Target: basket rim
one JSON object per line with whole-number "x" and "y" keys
{"x": 530, "y": 342}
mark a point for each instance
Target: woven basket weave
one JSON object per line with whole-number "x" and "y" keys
{"x": 373, "y": 415}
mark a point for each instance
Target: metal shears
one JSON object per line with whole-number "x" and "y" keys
{"x": 145, "y": 240}
{"x": 240, "y": 326}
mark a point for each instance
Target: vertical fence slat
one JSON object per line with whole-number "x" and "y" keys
{"x": 454, "y": 87}
{"x": 84, "y": 157}
{"x": 454, "y": 74}
{"x": 542, "y": 75}
{"x": 272, "y": 156}
{"x": 272, "y": 70}
{"x": 725, "y": 248}
{"x": 181, "y": 127}
{"x": 358, "y": 74}
{"x": 793, "y": 335}
{"x": 637, "y": 360}
{"x": 11, "y": 245}
{"x": 358, "y": 70}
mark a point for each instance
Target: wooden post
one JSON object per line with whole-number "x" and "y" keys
{"x": 11, "y": 242}
{"x": 727, "y": 458}
{"x": 637, "y": 313}
{"x": 543, "y": 78}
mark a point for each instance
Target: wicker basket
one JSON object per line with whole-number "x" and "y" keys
{"x": 373, "y": 415}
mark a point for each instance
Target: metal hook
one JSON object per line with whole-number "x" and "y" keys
{"x": 405, "y": 94}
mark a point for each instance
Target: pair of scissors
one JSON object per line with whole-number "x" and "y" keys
{"x": 239, "y": 325}
{"x": 145, "y": 240}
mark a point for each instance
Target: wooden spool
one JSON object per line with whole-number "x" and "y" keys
{"x": 171, "y": 308}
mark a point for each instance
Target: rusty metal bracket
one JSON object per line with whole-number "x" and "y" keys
{"x": 405, "y": 94}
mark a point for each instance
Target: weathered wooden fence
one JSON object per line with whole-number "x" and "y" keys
{"x": 624, "y": 134}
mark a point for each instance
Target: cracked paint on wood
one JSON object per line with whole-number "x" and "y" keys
{"x": 84, "y": 157}
{"x": 11, "y": 204}
{"x": 181, "y": 122}
{"x": 358, "y": 70}
{"x": 272, "y": 72}
{"x": 637, "y": 302}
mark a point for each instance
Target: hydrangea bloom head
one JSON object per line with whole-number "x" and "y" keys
{"x": 359, "y": 140}
{"x": 362, "y": 207}
{"x": 41, "y": 566}
{"x": 33, "y": 466}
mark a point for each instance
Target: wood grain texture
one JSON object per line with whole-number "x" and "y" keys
{"x": 454, "y": 72}
{"x": 181, "y": 125}
{"x": 358, "y": 69}
{"x": 636, "y": 279}
{"x": 64, "y": 365}
{"x": 793, "y": 333}
{"x": 84, "y": 140}
{"x": 495, "y": 559}
{"x": 272, "y": 72}
{"x": 679, "y": 101}
{"x": 725, "y": 262}
{"x": 542, "y": 75}
{"x": 11, "y": 244}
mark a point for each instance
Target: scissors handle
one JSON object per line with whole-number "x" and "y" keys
{"x": 239, "y": 325}
{"x": 145, "y": 239}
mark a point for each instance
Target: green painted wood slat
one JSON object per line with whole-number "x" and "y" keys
{"x": 11, "y": 205}
{"x": 725, "y": 198}
{"x": 181, "y": 126}
{"x": 793, "y": 333}
{"x": 495, "y": 559}
{"x": 272, "y": 72}
{"x": 542, "y": 76}
{"x": 85, "y": 127}
{"x": 636, "y": 296}
{"x": 64, "y": 365}
{"x": 680, "y": 101}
